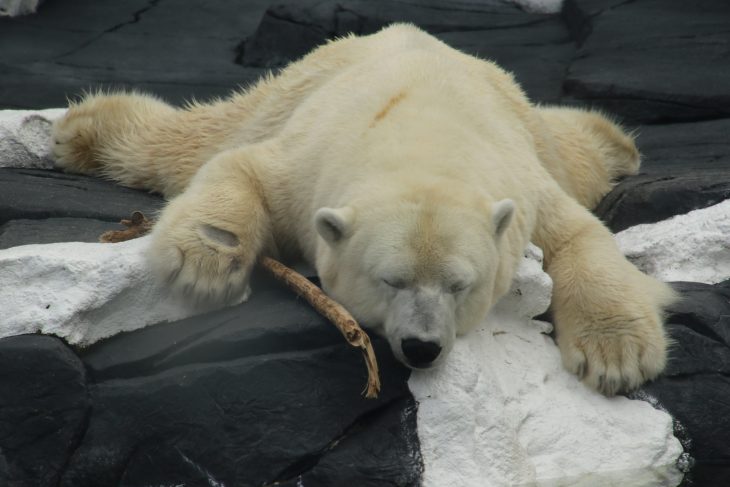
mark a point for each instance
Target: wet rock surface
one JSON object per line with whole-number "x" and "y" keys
{"x": 215, "y": 399}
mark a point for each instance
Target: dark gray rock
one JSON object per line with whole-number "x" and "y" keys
{"x": 44, "y": 407}
{"x": 655, "y": 60}
{"x": 178, "y": 50}
{"x": 535, "y": 47}
{"x": 52, "y": 230}
{"x": 536, "y": 53}
{"x": 38, "y": 194}
{"x": 685, "y": 167}
{"x": 259, "y": 393}
{"x": 695, "y": 387}
{"x": 289, "y": 30}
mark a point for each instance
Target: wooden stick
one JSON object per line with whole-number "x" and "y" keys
{"x": 333, "y": 311}
{"x": 138, "y": 225}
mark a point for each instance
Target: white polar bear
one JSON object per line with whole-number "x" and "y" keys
{"x": 412, "y": 176}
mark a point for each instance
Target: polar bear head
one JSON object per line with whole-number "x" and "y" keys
{"x": 419, "y": 272}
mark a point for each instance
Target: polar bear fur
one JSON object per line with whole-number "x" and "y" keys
{"x": 412, "y": 176}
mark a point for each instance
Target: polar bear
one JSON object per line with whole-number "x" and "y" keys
{"x": 411, "y": 175}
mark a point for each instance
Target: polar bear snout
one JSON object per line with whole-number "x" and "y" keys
{"x": 420, "y": 354}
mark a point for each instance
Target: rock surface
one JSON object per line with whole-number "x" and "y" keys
{"x": 68, "y": 47}
{"x": 535, "y": 47}
{"x": 44, "y": 407}
{"x": 14, "y": 8}
{"x": 695, "y": 387}
{"x": 82, "y": 292}
{"x": 684, "y": 167}
{"x": 690, "y": 247}
{"x": 24, "y": 137}
{"x": 654, "y": 60}
{"x": 35, "y": 194}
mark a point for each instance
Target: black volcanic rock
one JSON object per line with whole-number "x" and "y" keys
{"x": 685, "y": 167}
{"x": 44, "y": 407}
{"x": 38, "y": 194}
{"x": 654, "y": 60}
{"x": 695, "y": 387}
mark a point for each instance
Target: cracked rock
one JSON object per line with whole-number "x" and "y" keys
{"x": 69, "y": 47}
{"x": 43, "y": 409}
{"x": 654, "y": 60}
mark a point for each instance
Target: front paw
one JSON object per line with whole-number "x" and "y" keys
{"x": 202, "y": 262}
{"x": 614, "y": 352}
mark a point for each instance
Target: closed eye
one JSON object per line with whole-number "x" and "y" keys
{"x": 458, "y": 287}
{"x": 395, "y": 283}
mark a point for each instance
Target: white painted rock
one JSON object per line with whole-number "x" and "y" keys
{"x": 690, "y": 247}
{"x": 503, "y": 411}
{"x": 25, "y": 137}
{"x": 82, "y": 292}
{"x": 14, "y": 8}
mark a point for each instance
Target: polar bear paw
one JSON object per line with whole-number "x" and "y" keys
{"x": 202, "y": 262}
{"x": 615, "y": 353}
{"x": 72, "y": 141}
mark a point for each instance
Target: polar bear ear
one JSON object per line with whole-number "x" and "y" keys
{"x": 502, "y": 212}
{"x": 334, "y": 224}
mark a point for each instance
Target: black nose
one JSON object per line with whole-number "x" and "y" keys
{"x": 420, "y": 353}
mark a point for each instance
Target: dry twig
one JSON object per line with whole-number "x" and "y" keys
{"x": 138, "y": 226}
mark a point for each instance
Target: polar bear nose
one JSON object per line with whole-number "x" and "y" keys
{"x": 420, "y": 354}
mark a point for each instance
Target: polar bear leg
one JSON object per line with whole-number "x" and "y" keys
{"x": 608, "y": 315}
{"x": 585, "y": 151}
{"x": 142, "y": 142}
{"x": 208, "y": 238}
{"x": 132, "y": 138}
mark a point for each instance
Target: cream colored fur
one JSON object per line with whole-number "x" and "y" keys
{"x": 410, "y": 174}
